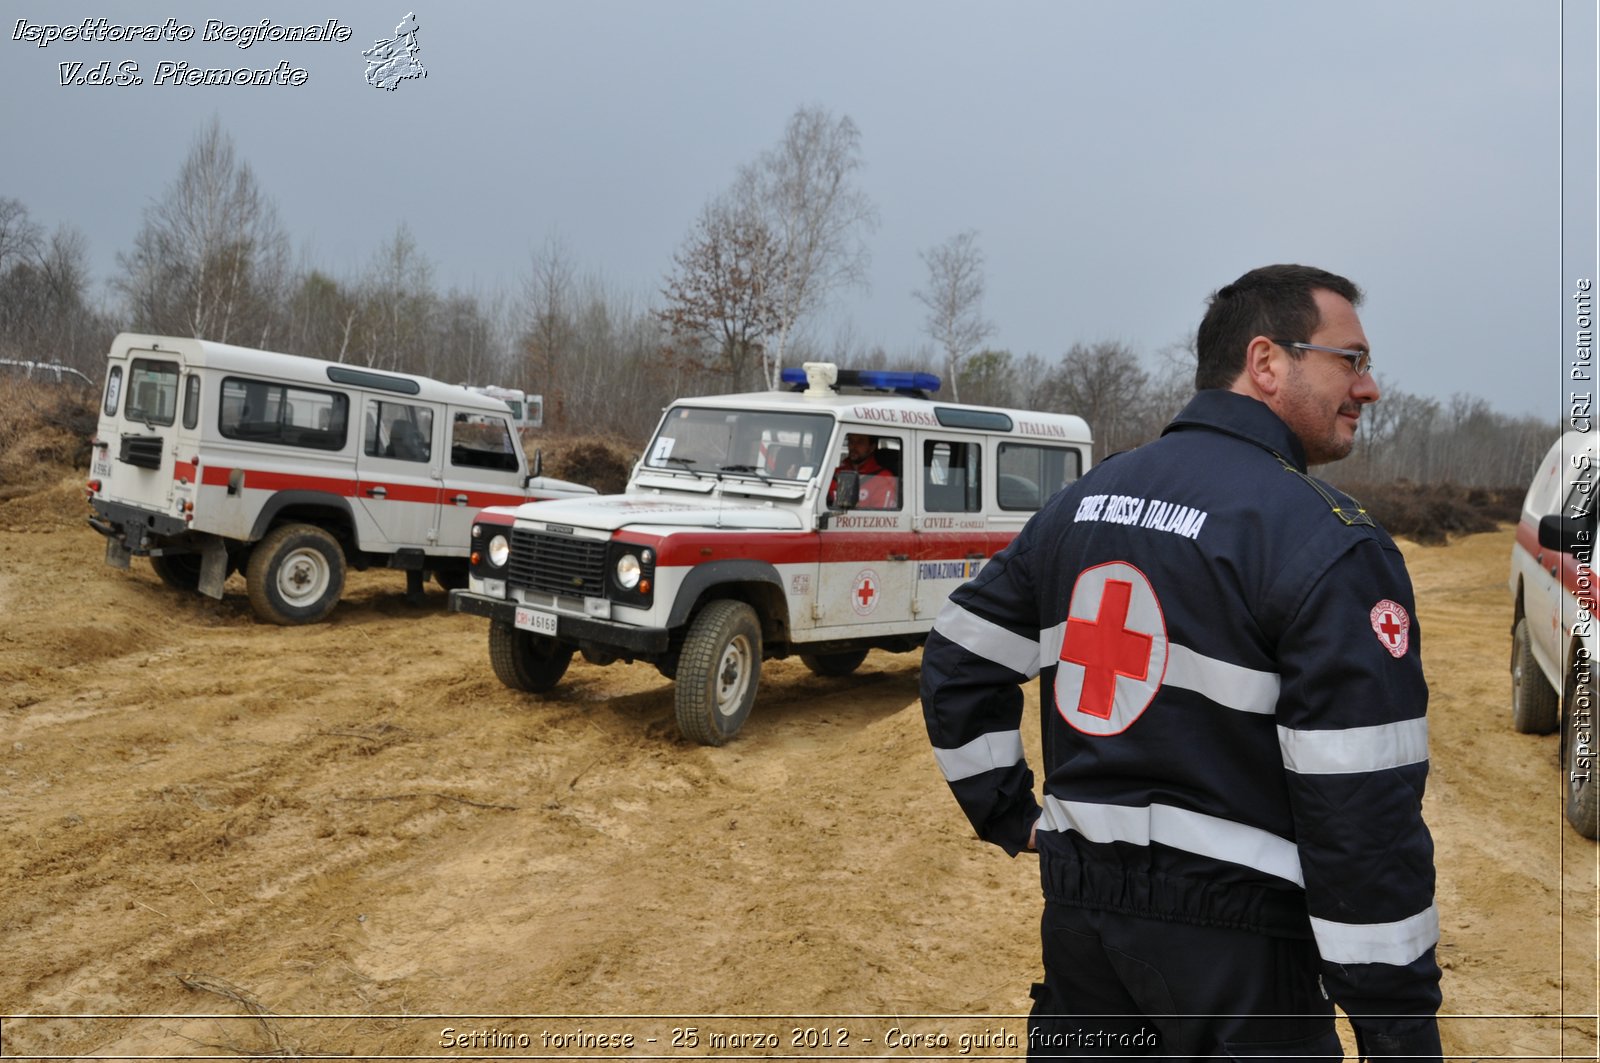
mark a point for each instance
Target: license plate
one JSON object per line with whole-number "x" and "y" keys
{"x": 537, "y": 622}
{"x": 100, "y": 467}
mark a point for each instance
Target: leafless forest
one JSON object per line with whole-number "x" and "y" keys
{"x": 759, "y": 263}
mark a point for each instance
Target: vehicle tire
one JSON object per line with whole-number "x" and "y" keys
{"x": 525, "y": 661}
{"x": 454, "y": 579}
{"x": 296, "y": 575}
{"x": 718, "y": 672}
{"x": 1535, "y": 706}
{"x": 179, "y": 571}
{"x": 1578, "y": 754}
{"x": 833, "y": 664}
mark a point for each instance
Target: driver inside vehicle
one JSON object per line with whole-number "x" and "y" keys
{"x": 877, "y": 487}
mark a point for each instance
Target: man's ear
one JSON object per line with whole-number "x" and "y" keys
{"x": 1264, "y": 368}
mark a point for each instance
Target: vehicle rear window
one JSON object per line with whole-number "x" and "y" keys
{"x": 152, "y": 392}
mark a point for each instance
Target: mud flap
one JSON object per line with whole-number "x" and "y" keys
{"x": 213, "y": 568}
{"x": 117, "y": 554}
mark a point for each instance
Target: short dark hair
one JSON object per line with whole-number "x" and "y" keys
{"x": 1273, "y": 301}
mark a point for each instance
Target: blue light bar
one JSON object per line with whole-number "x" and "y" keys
{"x": 882, "y": 379}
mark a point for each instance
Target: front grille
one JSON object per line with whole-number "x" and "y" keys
{"x": 557, "y": 564}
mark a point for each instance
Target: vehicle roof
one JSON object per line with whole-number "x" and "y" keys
{"x": 297, "y": 369}
{"x": 884, "y": 411}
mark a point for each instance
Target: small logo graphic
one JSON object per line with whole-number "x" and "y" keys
{"x": 1113, "y": 650}
{"x": 391, "y": 62}
{"x": 1392, "y": 624}
{"x": 864, "y": 593}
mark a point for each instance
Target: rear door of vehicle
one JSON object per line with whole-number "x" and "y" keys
{"x": 952, "y": 536}
{"x": 398, "y": 471}
{"x": 138, "y": 430}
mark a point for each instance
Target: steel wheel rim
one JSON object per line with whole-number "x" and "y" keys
{"x": 733, "y": 675}
{"x": 303, "y": 577}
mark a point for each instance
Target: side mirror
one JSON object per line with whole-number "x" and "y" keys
{"x": 536, "y": 467}
{"x": 1570, "y": 535}
{"x": 846, "y": 490}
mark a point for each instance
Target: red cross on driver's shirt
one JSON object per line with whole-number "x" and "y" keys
{"x": 1106, "y": 649}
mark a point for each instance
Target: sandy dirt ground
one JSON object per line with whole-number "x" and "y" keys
{"x": 224, "y": 838}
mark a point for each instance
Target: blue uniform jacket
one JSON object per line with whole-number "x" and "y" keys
{"x": 1232, "y": 703}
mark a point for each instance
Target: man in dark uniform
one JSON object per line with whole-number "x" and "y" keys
{"x": 1233, "y": 714}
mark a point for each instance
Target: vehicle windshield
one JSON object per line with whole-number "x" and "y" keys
{"x": 765, "y": 444}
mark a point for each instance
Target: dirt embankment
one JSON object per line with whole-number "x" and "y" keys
{"x": 208, "y": 816}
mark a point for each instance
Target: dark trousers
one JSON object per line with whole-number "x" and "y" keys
{"x": 1122, "y": 985}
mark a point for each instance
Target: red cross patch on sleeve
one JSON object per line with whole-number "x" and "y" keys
{"x": 1392, "y": 624}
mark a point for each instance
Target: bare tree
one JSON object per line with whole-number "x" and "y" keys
{"x": 718, "y": 311}
{"x": 45, "y": 314}
{"x": 397, "y": 303}
{"x": 989, "y": 378}
{"x": 1103, "y": 384}
{"x": 954, "y": 298}
{"x": 211, "y": 258}
{"x": 805, "y": 191}
{"x": 547, "y": 336}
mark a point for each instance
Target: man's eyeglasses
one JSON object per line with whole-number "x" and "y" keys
{"x": 1360, "y": 361}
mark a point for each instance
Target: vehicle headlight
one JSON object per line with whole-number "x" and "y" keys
{"x": 499, "y": 551}
{"x": 628, "y": 570}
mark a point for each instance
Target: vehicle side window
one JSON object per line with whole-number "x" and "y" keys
{"x": 260, "y": 411}
{"x": 1029, "y": 474}
{"x": 399, "y": 430}
{"x": 152, "y": 392}
{"x": 482, "y": 441}
{"x": 113, "y": 390}
{"x": 950, "y": 480}
{"x": 191, "y": 401}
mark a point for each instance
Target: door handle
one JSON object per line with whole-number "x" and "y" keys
{"x": 899, "y": 557}
{"x": 459, "y": 500}
{"x": 976, "y": 555}
{"x": 378, "y": 492}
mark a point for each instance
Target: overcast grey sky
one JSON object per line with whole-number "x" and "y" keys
{"x": 1118, "y": 158}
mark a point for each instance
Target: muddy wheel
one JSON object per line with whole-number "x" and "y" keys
{"x": 1578, "y": 753}
{"x": 833, "y": 664}
{"x": 1535, "y": 709}
{"x": 525, "y": 661}
{"x": 179, "y": 571}
{"x": 718, "y": 672}
{"x": 296, "y": 575}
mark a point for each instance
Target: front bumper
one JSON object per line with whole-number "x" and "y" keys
{"x": 623, "y": 639}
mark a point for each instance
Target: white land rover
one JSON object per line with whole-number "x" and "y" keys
{"x": 1553, "y": 642}
{"x": 743, "y": 535}
{"x": 211, "y": 459}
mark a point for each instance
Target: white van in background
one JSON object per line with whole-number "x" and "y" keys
{"x": 211, "y": 459}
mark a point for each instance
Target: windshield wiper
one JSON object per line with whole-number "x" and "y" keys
{"x": 686, "y": 463}
{"x": 758, "y": 470}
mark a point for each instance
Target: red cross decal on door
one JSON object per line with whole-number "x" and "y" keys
{"x": 865, "y": 593}
{"x": 1106, "y": 649}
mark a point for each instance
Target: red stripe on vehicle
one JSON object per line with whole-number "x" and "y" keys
{"x": 800, "y": 548}
{"x": 1577, "y": 577}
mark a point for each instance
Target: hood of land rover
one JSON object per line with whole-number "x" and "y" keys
{"x": 611, "y": 512}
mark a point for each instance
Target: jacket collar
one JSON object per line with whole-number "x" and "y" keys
{"x": 1242, "y": 417}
